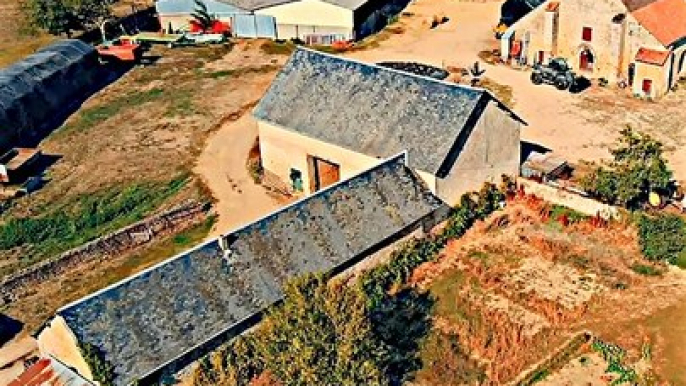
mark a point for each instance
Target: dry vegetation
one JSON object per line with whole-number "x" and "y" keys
{"x": 515, "y": 286}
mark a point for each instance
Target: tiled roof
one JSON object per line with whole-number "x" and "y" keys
{"x": 552, "y": 6}
{"x": 371, "y": 109}
{"x": 664, "y": 19}
{"x": 157, "y": 316}
{"x": 49, "y": 372}
{"x": 650, "y": 56}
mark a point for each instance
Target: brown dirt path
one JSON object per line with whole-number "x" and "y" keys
{"x": 222, "y": 166}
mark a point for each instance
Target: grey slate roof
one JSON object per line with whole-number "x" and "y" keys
{"x": 347, "y": 4}
{"x": 254, "y": 5}
{"x": 171, "y": 7}
{"x": 370, "y": 109}
{"x": 152, "y": 318}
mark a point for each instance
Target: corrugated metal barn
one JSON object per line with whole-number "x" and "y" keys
{"x": 312, "y": 21}
{"x": 42, "y": 86}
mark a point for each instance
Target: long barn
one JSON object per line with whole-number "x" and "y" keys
{"x": 312, "y": 21}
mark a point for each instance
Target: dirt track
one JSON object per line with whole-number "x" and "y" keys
{"x": 222, "y": 167}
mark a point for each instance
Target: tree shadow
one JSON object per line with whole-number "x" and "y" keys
{"x": 9, "y": 328}
{"x": 402, "y": 321}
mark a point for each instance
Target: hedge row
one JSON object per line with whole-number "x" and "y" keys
{"x": 473, "y": 206}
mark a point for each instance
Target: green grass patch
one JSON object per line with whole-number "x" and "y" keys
{"x": 85, "y": 218}
{"x": 444, "y": 290}
{"x": 646, "y": 270}
{"x": 181, "y": 104}
{"x": 278, "y": 48}
{"x": 559, "y": 211}
{"x": 92, "y": 116}
{"x": 160, "y": 251}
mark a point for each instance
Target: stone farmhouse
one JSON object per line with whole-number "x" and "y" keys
{"x": 158, "y": 321}
{"x": 325, "y": 118}
{"x": 640, "y": 42}
{"x": 312, "y": 21}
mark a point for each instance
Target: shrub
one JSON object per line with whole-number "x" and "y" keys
{"x": 662, "y": 237}
{"x": 102, "y": 370}
{"x": 638, "y": 167}
{"x": 646, "y": 270}
{"x": 681, "y": 260}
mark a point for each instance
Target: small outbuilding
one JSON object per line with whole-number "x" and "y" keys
{"x": 42, "y": 86}
{"x": 326, "y": 117}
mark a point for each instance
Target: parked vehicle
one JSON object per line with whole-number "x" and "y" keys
{"x": 194, "y": 38}
{"x": 556, "y": 72}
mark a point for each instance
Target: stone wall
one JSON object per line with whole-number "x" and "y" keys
{"x": 125, "y": 239}
{"x": 571, "y": 200}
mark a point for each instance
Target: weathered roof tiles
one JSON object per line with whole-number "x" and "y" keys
{"x": 151, "y": 319}
{"x": 370, "y": 109}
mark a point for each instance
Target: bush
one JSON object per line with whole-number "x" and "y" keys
{"x": 646, "y": 270}
{"x": 681, "y": 260}
{"x": 662, "y": 237}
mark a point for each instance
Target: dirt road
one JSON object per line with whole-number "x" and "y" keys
{"x": 222, "y": 167}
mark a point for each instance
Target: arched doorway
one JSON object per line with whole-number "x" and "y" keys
{"x": 586, "y": 59}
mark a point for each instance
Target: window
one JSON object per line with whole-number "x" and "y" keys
{"x": 587, "y": 34}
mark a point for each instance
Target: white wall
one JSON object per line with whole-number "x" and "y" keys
{"x": 310, "y": 15}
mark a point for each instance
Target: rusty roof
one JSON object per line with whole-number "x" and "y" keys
{"x": 664, "y": 19}
{"x": 49, "y": 372}
{"x": 650, "y": 56}
{"x": 552, "y": 6}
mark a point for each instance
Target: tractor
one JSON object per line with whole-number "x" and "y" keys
{"x": 556, "y": 72}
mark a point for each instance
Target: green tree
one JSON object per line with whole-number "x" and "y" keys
{"x": 59, "y": 17}
{"x": 321, "y": 335}
{"x": 638, "y": 167}
{"x": 202, "y": 16}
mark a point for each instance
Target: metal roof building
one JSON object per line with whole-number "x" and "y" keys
{"x": 41, "y": 86}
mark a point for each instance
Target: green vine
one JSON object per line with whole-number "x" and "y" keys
{"x": 614, "y": 356}
{"x": 102, "y": 370}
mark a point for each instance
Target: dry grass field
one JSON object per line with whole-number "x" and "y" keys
{"x": 517, "y": 285}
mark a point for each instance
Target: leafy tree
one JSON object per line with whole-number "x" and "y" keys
{"x": 202, "y": 16}
{"x": 637, "y": 168}
{"x": 321, "y": 335}
{"x": 66, "y": 16}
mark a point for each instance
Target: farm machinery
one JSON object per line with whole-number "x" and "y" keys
{"x": 557, "y": 72}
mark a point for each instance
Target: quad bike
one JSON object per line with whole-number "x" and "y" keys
{"x": 556, "y": 72}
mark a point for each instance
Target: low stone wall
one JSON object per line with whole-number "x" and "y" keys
{"x": 125, "y": 239}
{"x": 571, "y": 200}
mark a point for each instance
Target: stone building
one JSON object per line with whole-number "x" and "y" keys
{"x": 641, "y": 43}
{"x": 325, "y": 118}
{"x": 165, "y": 317}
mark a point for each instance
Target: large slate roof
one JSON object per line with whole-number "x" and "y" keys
{"x": 152, "y": 318}
{"x": 371, "y": 109}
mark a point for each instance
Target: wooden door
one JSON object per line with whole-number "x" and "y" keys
{"x": 647, "y": 86}
{"x": 324, "y": 173}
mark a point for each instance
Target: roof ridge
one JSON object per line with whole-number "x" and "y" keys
{"x": 480, "y": 90}
{"x": 398, "y": 158}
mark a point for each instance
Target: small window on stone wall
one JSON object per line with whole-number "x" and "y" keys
{"x": 587, "y": 34}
